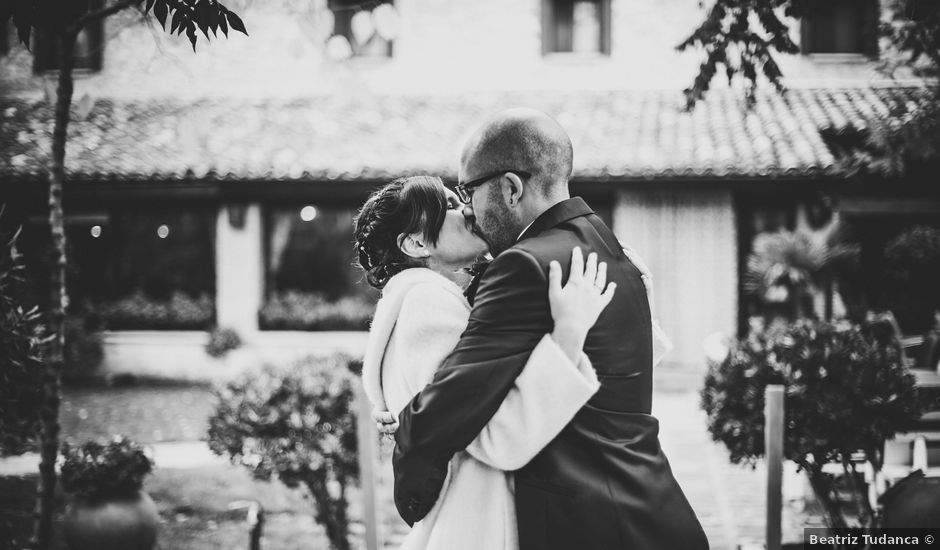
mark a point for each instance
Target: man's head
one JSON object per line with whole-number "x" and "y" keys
{"x": 518, "y": 164}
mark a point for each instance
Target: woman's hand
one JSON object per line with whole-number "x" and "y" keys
{"x": 577, "y": 305}
{"x": 385, "y": 422}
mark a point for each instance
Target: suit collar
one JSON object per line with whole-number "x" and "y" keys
{"x": 574, "y": 207}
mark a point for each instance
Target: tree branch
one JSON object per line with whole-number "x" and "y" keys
{"x": 102, "y": 13}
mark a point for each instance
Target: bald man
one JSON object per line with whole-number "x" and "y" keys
{"x": 603, "y": 483}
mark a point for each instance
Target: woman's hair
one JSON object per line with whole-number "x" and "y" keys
{"x": 403, "y": 207}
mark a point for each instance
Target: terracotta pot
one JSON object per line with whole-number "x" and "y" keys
{"x": 112, "y": 523}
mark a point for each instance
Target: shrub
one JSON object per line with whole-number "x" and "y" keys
{"x": 912, "y": 263}
{"x": 846, "y": 391}
{"x": 304, "y": 311}
{"x": 97, "y": 471}
{"x": 21, "y": 370}
{"x": 299, "y": 425}
{"x": 141, "y": 312}
{"x": 221, "y": 341}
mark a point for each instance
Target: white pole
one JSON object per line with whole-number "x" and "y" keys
{"x": 368, "y": 454}
{"x": 773, "y": 445}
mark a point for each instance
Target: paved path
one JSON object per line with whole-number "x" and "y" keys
{"x": 729, "y": 499}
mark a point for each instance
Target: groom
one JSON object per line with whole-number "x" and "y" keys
{"x": 604, "y": 482}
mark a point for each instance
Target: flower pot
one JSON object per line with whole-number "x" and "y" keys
{"x": 127, "y": 522}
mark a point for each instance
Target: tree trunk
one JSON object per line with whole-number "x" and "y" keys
{"x": 823, "y": 489}
{"x": 331, "y": 513}
{"x": 58, "y": 301}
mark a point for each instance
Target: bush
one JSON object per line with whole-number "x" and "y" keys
{"x": 846, "y": 391}
{"x": 221, "y": 341}
{"x": 21, "y": 370}
{"x": 98, "y": 471}
{"x": 297, "y": 424}
{"x": 83, "y": 350}
{"x": 912, "y": 263}
{"x": 302, "y": 311}
{"x": 141, "y": 312}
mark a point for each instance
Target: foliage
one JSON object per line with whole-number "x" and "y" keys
{"x": 141, "y": 312}
{"x": 184, "y": 16}
{"x": 792, "y": 266}
{"x": 741, "y": 36}
{"x": 97, "y": 471}
{"x": 846, "y": 391}
{"x": 21, "y": 334}
{"x": 299, "y": 425}
{"x": 912, "y": 266}
{"x": 83, "y": 349}
{"x": 294, "y": 310}
{"x": 221, "y": 341}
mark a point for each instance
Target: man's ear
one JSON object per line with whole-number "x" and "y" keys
{"x": 413, "y": 245}
{"x": 512, "y": 188}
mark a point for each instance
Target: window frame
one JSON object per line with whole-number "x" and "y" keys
{"x": 342, "y": 26}
{"x": 550, "y": 35}
{"x": 869, "y": 14}
{"x": 46, "y": 48}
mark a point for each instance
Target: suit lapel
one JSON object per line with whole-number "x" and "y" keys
{"x": 565, "y": 210}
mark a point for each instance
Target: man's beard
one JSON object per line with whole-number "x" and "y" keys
{"x": 497, "y": 227}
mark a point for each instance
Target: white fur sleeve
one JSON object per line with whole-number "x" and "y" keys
{"x": 543, "y": 401}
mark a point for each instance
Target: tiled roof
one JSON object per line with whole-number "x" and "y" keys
{"x": 617, "y": 135}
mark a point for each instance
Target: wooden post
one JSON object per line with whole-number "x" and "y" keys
{"x": 368, "y": 456}
{"x": 773, "y": 445}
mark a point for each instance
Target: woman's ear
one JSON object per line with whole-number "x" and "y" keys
{"x": 512, "y": 188}
{"x": 414, "y": 246}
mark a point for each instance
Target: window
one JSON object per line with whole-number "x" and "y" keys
{"x": 313, "y": 279}
{"x": 364, "y": 26}
{"x": 134, "y": 266}
{"x": 840, "y": 27}
{"x": 576, "y": 26}
{"x": 87, "y": 53}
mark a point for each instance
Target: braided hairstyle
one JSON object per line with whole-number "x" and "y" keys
{"x": 415, "y": 204}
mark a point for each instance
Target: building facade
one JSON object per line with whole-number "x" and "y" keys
{"x": 225, "y": 181}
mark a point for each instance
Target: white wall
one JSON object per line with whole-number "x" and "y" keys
{"x": 689, "y": 240}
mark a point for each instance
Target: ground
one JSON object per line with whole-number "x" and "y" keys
{"x": 196, "y": 502}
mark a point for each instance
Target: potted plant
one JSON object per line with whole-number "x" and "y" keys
{"x": 846, "y": 393}
{"x": 109, "y": 509}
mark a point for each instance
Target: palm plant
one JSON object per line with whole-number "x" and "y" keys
{"x": 795, "y": 267}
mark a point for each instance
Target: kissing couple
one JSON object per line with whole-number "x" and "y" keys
{"x": 519, "y": 398}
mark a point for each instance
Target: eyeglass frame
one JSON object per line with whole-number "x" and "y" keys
{"x": 465, "y": 190}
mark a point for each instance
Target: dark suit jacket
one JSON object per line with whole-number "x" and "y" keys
{"x": 604, "y": 482}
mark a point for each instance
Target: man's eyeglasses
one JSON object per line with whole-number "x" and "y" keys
{"x": 465, "y": 190}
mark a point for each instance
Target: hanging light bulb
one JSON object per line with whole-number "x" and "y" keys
{"x": 163, "y": 231}
{"x": 362, "y": 27}
{"x": 338, "y": 48}
{"x": 308, "y": 213}
{"x": 96, "y": 231}
{"x": 387, "y": 21}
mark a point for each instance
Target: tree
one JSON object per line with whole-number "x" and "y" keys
{"x": 64, "y": 20}
{"x": 742, "y": 36}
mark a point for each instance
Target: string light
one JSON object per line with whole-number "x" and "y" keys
{"x": 163, "y": 231}
{"x": 96, "y": 231}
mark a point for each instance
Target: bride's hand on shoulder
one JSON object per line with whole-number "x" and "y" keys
{"x": 577, "y": 304}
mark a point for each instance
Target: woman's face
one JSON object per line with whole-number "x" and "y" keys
{"x": 457, "y": 245}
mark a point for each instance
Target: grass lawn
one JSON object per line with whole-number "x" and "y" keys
{"x": 195, "y": 514}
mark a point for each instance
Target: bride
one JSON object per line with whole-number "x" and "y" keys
{"x": 415, "y": 244}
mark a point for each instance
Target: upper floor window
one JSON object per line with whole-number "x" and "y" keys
{"x": 577, "y": 26}
{"x": 87, "y": 53}
{"x": 840, "y": 27}
{"x": 369, "y": 28}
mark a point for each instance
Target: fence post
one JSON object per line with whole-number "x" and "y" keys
{"x": 368, "y": 455}
{"x": 773, "y": 445}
